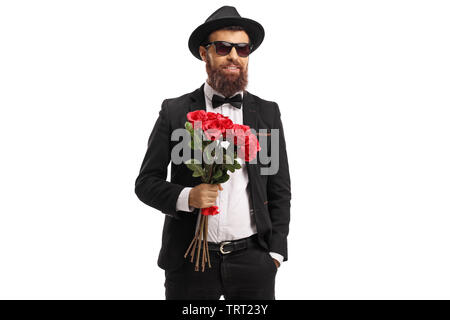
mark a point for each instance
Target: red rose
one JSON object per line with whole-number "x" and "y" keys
{"x": 226, "y": 124}
{"x": 212, "y": 129}
{"x": 241, "y": 126}
{"x": 238, "y": 134}
{"x": 211, "y": 124}
{"x": 214, "y": 116}
{"x": 248, "y": 151}
{"x": 198, "y": 115}
{"x": 210, "y": 211}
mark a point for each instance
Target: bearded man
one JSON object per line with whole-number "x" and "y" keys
{"x": 247, "y": 240}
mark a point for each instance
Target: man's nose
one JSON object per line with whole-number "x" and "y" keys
{"x": 233, "y": 54}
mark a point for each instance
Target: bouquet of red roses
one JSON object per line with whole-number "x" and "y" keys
{"x": 208, "y": 132}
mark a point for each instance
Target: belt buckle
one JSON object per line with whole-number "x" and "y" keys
{"x": 221, "y": 247}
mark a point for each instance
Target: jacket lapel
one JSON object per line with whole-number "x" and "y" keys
{"x": 250, "y": 119}
{"x": 249, "y": 110}
{"x": 197, "y": 100}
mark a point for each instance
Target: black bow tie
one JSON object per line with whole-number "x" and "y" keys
{"x": 235, "y": 101}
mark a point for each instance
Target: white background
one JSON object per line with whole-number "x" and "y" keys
{"x": 363, "y": 88}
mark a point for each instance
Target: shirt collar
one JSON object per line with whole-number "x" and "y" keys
{"x": 210, "y": 91}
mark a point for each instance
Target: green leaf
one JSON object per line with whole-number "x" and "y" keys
{"x": 218, "y": 174}
{"x": 194, "y": 165}
{"x": 223, "y": 178}
{"x": 189, "y": 128}
{"x": 229, "y": 167}
{"x": 196, "y": 140}
{"x": 197, "y": 174}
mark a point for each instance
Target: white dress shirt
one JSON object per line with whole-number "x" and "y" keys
{"x": 236, "y": 218}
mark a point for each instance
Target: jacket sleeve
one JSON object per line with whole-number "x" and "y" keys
{"x": 279, "y": 195}
{"x": 151, "y": 186}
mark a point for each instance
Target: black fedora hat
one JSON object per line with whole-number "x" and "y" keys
{"x": 223, "y": 17}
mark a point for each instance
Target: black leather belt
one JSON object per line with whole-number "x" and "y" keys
{"x": 226, "y": 247}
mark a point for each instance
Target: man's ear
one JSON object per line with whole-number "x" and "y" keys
{"x": 202, "y": 53}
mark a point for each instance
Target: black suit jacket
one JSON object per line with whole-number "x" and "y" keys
{"x": 270, "y": 194}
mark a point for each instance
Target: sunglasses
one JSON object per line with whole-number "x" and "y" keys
{"x": 223, "y": 48}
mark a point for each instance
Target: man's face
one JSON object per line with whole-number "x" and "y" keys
{"x": 223, "y": 79}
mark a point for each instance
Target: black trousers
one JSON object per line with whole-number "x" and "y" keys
{"x": 244, "y": 274}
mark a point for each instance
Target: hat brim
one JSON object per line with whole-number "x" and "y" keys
{"x": 254, "y": 30}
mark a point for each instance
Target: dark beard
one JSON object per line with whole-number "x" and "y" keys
{"x": 226, "y": 84}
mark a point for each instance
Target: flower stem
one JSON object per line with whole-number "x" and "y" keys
{"x": 207, "y": 249}
{"x": 205, "y": 238}
{"x": 202, "y": 221}
{"x": 192, "y": 242}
